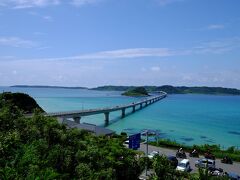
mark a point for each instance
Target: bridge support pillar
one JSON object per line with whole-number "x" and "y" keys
{"x": 141, "y": 106}
{"x": 123, "y": 113}
{"x": 77, "y": 119}
{"x": 134, "y": 109}
{"x": 61, "y": 119}
{"x": 106, "y": 117}
{"x": 146, "y": 103}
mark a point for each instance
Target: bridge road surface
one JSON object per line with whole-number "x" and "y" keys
{"x": 89, "y": 112}
{"x": 235, "y": 167}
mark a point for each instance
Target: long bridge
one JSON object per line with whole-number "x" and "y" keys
{"x": 76, "y": 115}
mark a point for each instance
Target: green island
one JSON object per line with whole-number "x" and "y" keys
{"x": 176, "y": 89}
{"x": 138, "y": 91}
{"x": 38, "y": 147}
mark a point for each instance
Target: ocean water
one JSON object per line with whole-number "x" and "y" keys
{"x": 188, "y": 119}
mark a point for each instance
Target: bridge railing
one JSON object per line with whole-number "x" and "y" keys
{"x": 104, "y": 110}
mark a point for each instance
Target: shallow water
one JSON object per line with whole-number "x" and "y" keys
{"x": 189, "y": 119}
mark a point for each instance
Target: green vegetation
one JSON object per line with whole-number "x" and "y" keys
{"x": 231, "y": 152}
{"x": 163, "y": 169}
{"x": 176, "y": 90}
{"x": 139, "y": 91}
{"x": 23, "y": 101}
{"x": 41, "y": 148}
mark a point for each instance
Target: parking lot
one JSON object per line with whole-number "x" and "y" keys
{"x": 235, "y": 167}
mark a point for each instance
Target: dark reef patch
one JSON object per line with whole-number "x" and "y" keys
{"x": 234, "y": 133}
{"x": 187, "y": 139}
{"x": 203, "y": 137}
{"x": 209, "y": 141}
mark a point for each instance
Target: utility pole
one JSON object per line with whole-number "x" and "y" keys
{"x": 146, "y": 153}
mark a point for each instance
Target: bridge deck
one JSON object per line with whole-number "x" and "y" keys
{"x": 105, "y": 110}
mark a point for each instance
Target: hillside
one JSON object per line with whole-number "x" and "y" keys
{"x": 39, "y": 147}
{"x": 23, "y": 101}
{"x": 176, "y": 89}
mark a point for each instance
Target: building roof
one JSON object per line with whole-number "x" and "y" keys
{"x": 97, "y": 130}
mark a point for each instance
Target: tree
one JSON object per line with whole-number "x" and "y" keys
{"x": 41, "y": 148}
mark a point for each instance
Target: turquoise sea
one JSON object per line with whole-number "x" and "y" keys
{"x": 189, "y": 119}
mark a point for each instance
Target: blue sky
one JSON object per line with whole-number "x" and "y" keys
{"x": 120, "y": 42}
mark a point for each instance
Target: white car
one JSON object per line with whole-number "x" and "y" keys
{"x": 152, "y": 154}
{"x": 184, "y": 165}
{"x": 203, "y": 163}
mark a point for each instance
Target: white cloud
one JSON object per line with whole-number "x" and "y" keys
{"x": 44, "y": 17}
{"x": 166, "y": 2}
{"x": 16, "y": 42}
{"x": 215, "y": 26}
{"x": 212, "y": 47}
{"x": 84, "y": 2}
{"x": 217, "y": 47}
{"x": 119, "y": 54}
{"x": 37, "y": 33}
{"x": 129, "y": 53}
{"x": 44, "y": 48}
{"x": 14, "y": 72}
{"x": 209, "y": 27}
{"x": 155, "y": 68}
{"x": 48, "y": 18}
{"x": 21, "y": 4}
{"x": 143, "y": 69}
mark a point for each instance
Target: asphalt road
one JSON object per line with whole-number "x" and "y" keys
{"x": 235, "y": 167}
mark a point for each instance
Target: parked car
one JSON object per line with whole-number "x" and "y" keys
{"x": 204, "y": 163}
{"x": 184, "y": 165}
{"x": 152, "y": 154}
{"x": 216, "y": 171}
{"x": 126, "y": 142}
{"x": 233, "y": 176}
{"x": 173, "y": 161}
